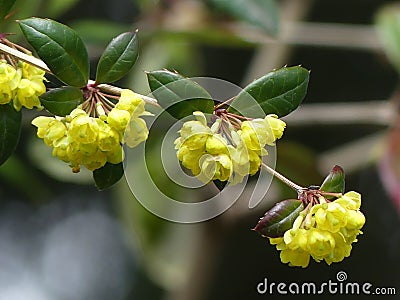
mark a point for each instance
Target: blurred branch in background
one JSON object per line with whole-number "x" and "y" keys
{"x": 348, "y": 36}
{"x": 377, "y": 112}
{"x": 183, "y": 259}
{"x": 272, "y": 52}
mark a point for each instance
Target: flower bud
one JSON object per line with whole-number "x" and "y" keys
{"x": 130, "y": 102}
{"x": 277, "y": 126}
{"x": 324, "y": 232}
{"x": 118, "y": 119}
{"x": 84, "y": 129}
{"x": 215, "y": 167}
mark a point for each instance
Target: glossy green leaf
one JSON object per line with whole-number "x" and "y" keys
{"x": 108, "y": 175}
{"x": 118, "y": 58}
{"x": 10, "y": 129}
{"x": 335, "y": 181}
{"x": 387, "y": 22}
{"x": 5, "y": 7}
{"x": 279, "y": 92}
{"x": 261, "y": 13}
{"x": 178, "y": 95}
{"x": 60, "y": 48}
{"x": 279, "y": 218}
{"x": 61, "y": 101}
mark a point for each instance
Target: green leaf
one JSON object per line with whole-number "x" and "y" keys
{"x": 178, "y": 95}
{"x": 61, "y": 101}
{"x": 5, "y": 7}
{"x": 387, "y": 21}
{"x": 279, "y": 92}
{"x": 108, "y": 175}
{"x": 261, "y": 13}
{"x": 118, "y": 58}
{"x": 10, "y": 129}
{"x": 335, "y": 181}
{"x": 279, "y": 218}
{"x": 60, "y": 48}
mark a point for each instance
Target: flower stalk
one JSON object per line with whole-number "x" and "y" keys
{"x": 299, "y": 189}
{"x": 25, "y": 57}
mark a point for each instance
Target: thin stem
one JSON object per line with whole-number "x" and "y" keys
{"x": 282, "y": 178}
{"x": 233, "y": 118}
{"x": 102, "y": 98}
{"x": 117, "y": 91}
{"x": 25, "y": 57}
{"x": 238, "y": 116}
{"x": 223, "y": 103}
{"x": 337, "y": 195}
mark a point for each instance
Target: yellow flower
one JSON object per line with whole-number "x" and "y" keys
{"x": 260, "y": 132}
{"x": 324, "y": 232}
{"x": 255, "y": 134}
{"x": 9, "y": 80}
{"x": 5, "y": 94}
{"x": 60, "y": 149}
{"x": 320, "y": 243}
{"x": 29, "y": 84}
{"x": 355, "y": 220}
{"x": 131, "y": 102}
{"x": 190, "y": 159}
{"x": 277, "y": 126}
{"x": 229, "y": 154}
{"x": 295, "y": 257}
{"x": 330, "y": 216}
{"x": 118, "y": 119}
{"x": 350, "y": 200}
{"x": 294, "y": 247}
{"x": 216, "y": 145}
{"x": 84, "y": 129}
{"x": 215, "y": 167}
{"x": 42, "y": 123}
{"x": 108, "y": 137}
{"x": 23, "y": 85}
{"x": 56, "y": 131}
{"x": 49, "y": 129}
{"x": 94, "y": 161}
{"x": 115, "y": 155}
{"x": 7, "y": 72}
{"x": 341, "y": 250}
{"x": 136, "y": 132}
{"x": 80, "y": 139}
{"x": 28, "y": 93}
{"x": 31, "y": 72}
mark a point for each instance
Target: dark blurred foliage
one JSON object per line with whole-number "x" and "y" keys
{"x": 240, "y": 258}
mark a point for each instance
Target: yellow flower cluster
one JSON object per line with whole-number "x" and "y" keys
{"x": 227, "y": 155}
{"x": 325, "y": 232}
{"x": 80, "y": 139}
{"x": 23, "y": 85}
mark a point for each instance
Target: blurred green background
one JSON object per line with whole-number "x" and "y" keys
{"x": 62, "y": 239}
